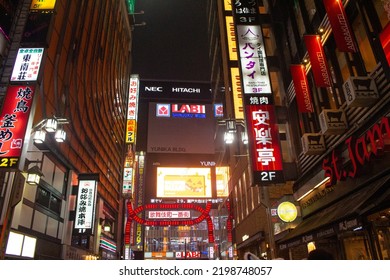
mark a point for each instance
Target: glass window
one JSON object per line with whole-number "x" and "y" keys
{"x": 356, "y": 248}
{"x": 43, "y": 197}
{"x": 46, "y": 199}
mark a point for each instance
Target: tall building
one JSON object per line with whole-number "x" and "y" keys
{"x": 64, "y": 64}
{"x": 337, "y": 75}
{"x": 328, "y": 72}
{"x": 255, "y": 186}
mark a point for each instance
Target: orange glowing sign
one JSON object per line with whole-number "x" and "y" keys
{"x": 183, "y": 182}
{"x": 43, "y": 4}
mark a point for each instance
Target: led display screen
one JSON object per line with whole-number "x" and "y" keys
{"x": 183, "y": 182}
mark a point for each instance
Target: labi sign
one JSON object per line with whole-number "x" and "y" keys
{"x": 361, "y": 151}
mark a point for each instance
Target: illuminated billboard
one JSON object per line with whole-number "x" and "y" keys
{"x": 27, "y": 64}
{"x": 42, "y": 4}
{"x": 264, "y": 142}
{"x": 85, "y": 209}
{"x": 13, "y": 123}
{"x": 222, "y": 175}
{"x": 181, "y": 128}
{"x": 183, "y": 182}
{"x": 132, "y": 110}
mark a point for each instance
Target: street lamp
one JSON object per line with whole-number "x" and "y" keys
{"x": 60, "y": 135}
{"x": 34, "y": 175}
{"x": 231, "y": 130}
{"x": 106, "y": 225}
{"x": 39, "y": 136}
{"x": 50, "y": 125}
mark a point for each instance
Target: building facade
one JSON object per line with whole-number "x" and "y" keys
{"x": 329, "y": 71}
{"x": 337, "y": 76}
{"x": 82, "y": 84}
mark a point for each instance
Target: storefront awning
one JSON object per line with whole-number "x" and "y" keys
{"x": 256, "y": 237}
{"x": 347, "y": 207}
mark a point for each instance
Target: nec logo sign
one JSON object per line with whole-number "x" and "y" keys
{"x": 154, "y": 89}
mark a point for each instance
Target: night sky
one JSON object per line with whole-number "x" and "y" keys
{"x": 173, "y": 44}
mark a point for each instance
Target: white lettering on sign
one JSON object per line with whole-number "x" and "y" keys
{"x": 189, "y": 90}
{"x": 208, "y": 163}
{"x": 154, "y": 89}
{"x": 169, "y": 214}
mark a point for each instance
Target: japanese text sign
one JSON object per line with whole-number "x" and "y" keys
{"x": 264, "y": 144}
{"x": 85, "y": 209}
{"x": 13, "y": 123}
{"x": 27, "y": 63}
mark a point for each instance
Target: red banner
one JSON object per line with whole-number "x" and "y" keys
{"x": 13, "y": 123}
{"x": 264, "y": 141}
{"x": 319, "y": 65}
{"x": 385, "y": 42}
{"x": 340, "y": 26}
{"x": 302, "y": 90}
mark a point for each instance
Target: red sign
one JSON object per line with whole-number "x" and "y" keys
{"x": 13, "y": 124}
{"x": 319, "y": 65}
{"x": 204, "y": 215}
{"x": 302, "y": 90}
{"x": 340, "y": 26}
{"x": 188, "y": 108}
{"x": 385, "y": 42}
{"x": 264, "y": 142}
{"x": 188, "y": 255}
{"x": 360, "y": 151}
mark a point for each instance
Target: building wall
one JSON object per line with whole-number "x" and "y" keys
{"x": 367, "y": 19}
{"x": 84, "y": 79}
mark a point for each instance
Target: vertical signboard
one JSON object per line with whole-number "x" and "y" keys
{"x": 86, "y": 203}
{"x": 13, "y": 123}
{"x": 319, "y": 65}
{"x": 253, "y": 60}
{"x": 132, "y": 109}
{"x": 341, "y": 29}
{"x": 237, "y": 93}
{"x": 27, "y": 63}
{"x": 260, "y": 119}
{"x": 384, "y": 37}
{"x": 302, "y": 89}
{"x": 139, "y": 201}
{"x": 264, "y": 142}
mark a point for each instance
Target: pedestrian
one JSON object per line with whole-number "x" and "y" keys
{"x": 320, "y": 254}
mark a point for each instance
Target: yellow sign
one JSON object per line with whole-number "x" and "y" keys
{"x": 43, "y": 4}
{"x": 287, "y": 211}
{"x": 231, "y": 38}
{"x": 131, "y": 129}
{"x": 237, "y": 93}
{"x": 185, "y": 186}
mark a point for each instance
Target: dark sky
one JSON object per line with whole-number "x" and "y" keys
{"x": 173, "y": 44}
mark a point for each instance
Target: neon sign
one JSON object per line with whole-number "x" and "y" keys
{"x": 360, "y": 151}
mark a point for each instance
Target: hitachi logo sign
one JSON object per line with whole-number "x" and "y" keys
{"x": 154, "y": 89}
{"x": 189, "y": 90}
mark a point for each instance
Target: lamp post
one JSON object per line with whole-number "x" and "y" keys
{"x": 52, "y": 125}
{"x": 230, "y": 132}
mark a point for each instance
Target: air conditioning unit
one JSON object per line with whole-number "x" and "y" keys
{"x": 360, "y": 91}
{"x": 313, "y": 144}
{"x": 333, "y": 121}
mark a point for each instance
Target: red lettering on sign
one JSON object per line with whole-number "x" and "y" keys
{"x": 361, "y": 151}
